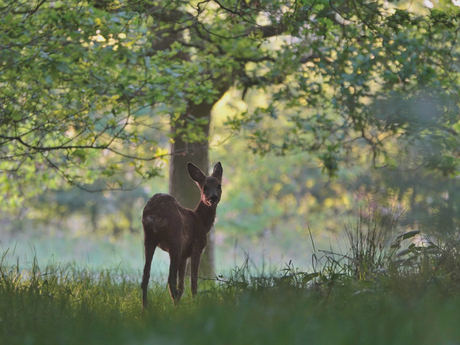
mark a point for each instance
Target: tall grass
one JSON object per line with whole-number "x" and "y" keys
{"x": 387, "y": 289}
{"x": 72, "y": 305}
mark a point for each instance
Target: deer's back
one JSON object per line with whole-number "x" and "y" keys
{"x": 161, "y": 206}
{"x": 168, "y": 222}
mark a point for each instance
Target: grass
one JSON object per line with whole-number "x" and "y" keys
{"x": 380, "y": 292}
{"x": 66, "y": 304}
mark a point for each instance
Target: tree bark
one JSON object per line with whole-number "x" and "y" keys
{"x": 181, "y": 186}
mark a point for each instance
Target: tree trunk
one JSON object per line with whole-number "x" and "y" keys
{"x": 181, "y": 186}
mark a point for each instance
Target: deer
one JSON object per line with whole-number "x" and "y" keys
{"x": 180, "y": 231}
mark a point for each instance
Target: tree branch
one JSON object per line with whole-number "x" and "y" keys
{"x": 266, "y": 31}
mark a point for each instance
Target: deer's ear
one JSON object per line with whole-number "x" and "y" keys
{"x": 218, "y": 171}
{"x": 195, "y": 173}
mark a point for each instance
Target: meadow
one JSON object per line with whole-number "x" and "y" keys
{"x": 407, "y": 294}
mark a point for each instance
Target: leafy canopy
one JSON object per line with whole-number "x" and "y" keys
{"x": 85, "y": 85}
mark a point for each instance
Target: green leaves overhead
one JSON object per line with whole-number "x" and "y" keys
{"x": 85, "y": 85}
{"x": 347, "y": 63}
{"x": 78, "y": 87}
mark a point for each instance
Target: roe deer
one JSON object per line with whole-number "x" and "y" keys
{"x": 180, "y": 231}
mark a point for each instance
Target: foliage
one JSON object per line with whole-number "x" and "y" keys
{"x": 77, "y": 86}
{"x": 360, "y": 74}
{"x": 429, "y": 196}
{"x": 81, "y": 81}
{"x": 273, "y": 194}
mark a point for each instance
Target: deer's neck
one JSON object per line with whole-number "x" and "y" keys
{"x": 206, "y": 214}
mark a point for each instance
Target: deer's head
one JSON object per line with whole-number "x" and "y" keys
{"x": 210, "y": 186}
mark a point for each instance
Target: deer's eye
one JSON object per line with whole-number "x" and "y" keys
{"x": 205, "y": 188}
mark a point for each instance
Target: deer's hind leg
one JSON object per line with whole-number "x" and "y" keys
{"x": 150, "y": 244}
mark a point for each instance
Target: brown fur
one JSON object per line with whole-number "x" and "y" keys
{"x": 180, "y": 231}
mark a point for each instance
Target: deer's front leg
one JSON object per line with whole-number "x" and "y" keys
{"x": 182, "y": 266}
{"x": 194, "y": 267}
